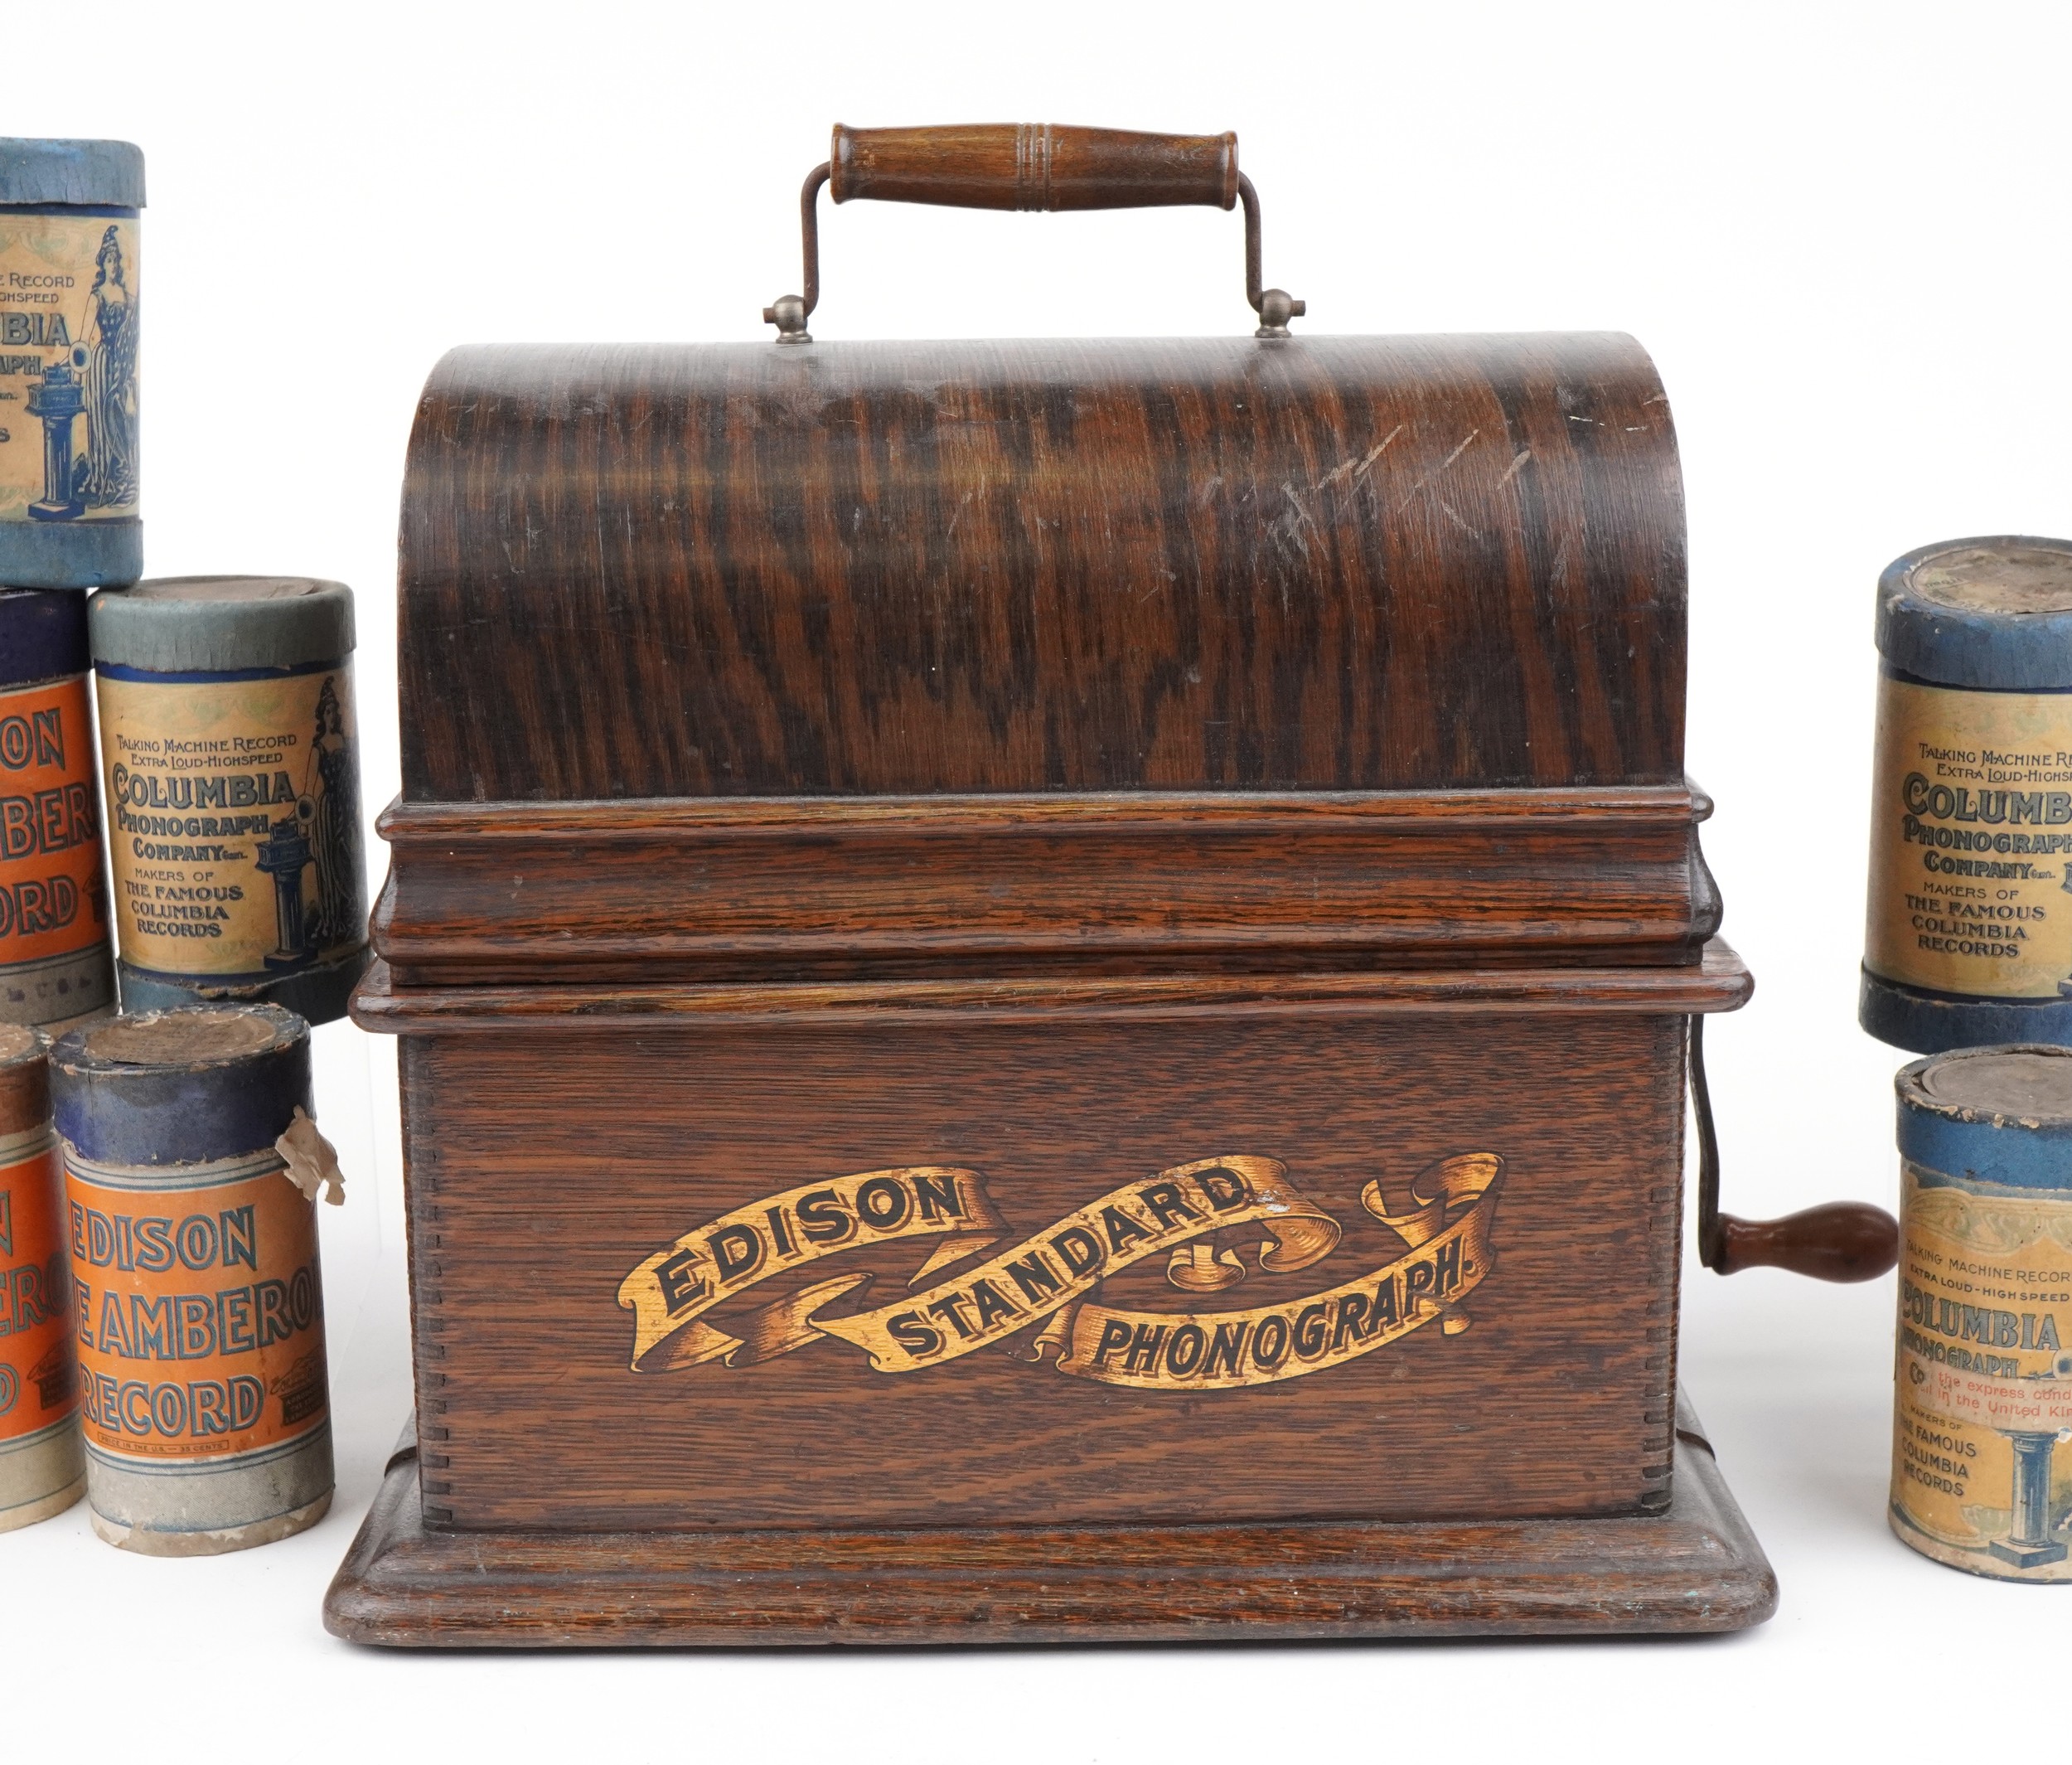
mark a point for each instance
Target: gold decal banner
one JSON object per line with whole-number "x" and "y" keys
{"x": 1212, "y": 1220}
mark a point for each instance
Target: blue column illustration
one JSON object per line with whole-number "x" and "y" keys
{"x": 284, "y": 854}
{"x": 57, "y": 399}
{"x": 2029, "y": 1544}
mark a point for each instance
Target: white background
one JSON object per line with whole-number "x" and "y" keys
{"x": 1840, "y": 229}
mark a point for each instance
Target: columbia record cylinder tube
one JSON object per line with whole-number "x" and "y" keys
{"x": 69, "y": 277}
{"x": 1969, "y": 930}
{"x": 203, "y": 1395}
{"x": 57, "y": 965}
{"x": 41, "y": 1471}
{"x": 1982, "y": 1474}
{"x": 230, "y": 756}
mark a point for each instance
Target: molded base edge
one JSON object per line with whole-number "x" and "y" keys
{"x": 1694, "y": 1568}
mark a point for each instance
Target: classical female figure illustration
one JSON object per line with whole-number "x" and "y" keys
{"x": 335, "y": 835}
{"x": 111, "y": 383}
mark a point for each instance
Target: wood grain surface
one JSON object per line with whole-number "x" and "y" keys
{"x": 542, "y": 1169}
{"x": 1032, "y": 165}
{"x": 1343, "y": 563}
{"x": 751, "y": 889}
{"x": 1694, "y": 1568}
{"x": 1066, "y": 762}
{"x": 1721, "y": 982}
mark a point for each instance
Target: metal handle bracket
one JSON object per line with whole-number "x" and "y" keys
{"x": 789, "y": 312}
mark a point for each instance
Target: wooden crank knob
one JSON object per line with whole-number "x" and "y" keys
{"x": 1837, "y": 1241}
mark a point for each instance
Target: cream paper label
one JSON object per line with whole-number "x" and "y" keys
{"x": 1971, "y": 841}
{"x": 1982, "y": 1477}
{"x": 68, "y": 366}
{"x": 235, "y": 821}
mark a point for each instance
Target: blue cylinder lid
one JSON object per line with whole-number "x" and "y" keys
{"x": 1992, "y": 614}
{"x": 42, "y": 635}
{"x": 185, "y": 1086}
{"x": 73, "y": 174}
{"x": 1991, "y": 1115}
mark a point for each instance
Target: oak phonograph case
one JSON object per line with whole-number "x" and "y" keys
{"x": 1047, "y": 989}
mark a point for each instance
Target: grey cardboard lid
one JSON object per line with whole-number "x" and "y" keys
{"x": 1993, "y": 613}
{"x": 193, "y": 625}
{"x": 2033, "y": 1084}
{"x": 79, "y": 174}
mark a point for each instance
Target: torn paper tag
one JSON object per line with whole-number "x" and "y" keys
{"x": 313, "y": 1160}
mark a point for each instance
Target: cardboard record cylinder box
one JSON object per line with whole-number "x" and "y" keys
{"x": 70, "y": 271}
{"x": 1045, "y": 988}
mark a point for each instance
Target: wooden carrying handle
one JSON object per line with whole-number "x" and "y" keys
{"x": 1029, "y": 166}
{"x": 1032, "y": 165}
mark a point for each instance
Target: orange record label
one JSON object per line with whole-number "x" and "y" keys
{"x": 51, "y": 900}
{"x": 198, "y": 1306}
{"x": 39, "y": 1386}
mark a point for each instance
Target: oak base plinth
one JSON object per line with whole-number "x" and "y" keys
{"x": 1693, "y": 1568}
